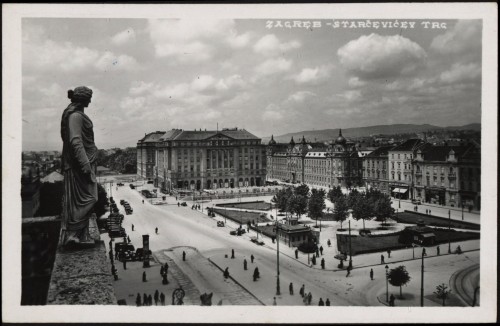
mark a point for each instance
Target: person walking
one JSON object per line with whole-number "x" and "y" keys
{"x": 321, "y": 250}
{"x": 124, "y": 264}
{"x": 256, "y": 274}
{"x": 391, "y": 300}
{"x": 138, "y": 302}
{"x": 252, "y": 258}
{"x": 178, "y": 205}
{"x": 302, "y": 290}
{"x": 296, "y": 253}
{"x": 132, "y": 227}
{"x": 309, "y": 298}
{"x": 145, "y": 299}
{"x": 143, "y": 201}
{"x": 313, "y": 260}
{"x": 424, "y": 252}
{"x": 437, "y": 250}
{"x": 183, "y": 256}
{"x": 322, "y": 263}
{"x": 389, "y": 253}
{"x": 128, "y": 239}
{"x": 144, "y": 279}
{"x": 382, "y": 260}
{"x": 226, "y": 273}
{"x": 150, "y": 300}
{"x": 245, "y": 264}
{"x": 165, "y": 268}
{"x": 162, "y": 270}
{"x": 348, "y": 271}
{"x": 157, "y": 297}
{"x": 162, "y": 299}
{"x": 371, "y": 274}
{"x": 321, "y": 303}
{"x": 232, "y": 253}
{"x": 329, "y": 243}
{"x": 327, "y": 303}
{"x": 156, "y": 230}
{"x": 274, "y": 301}
{"x": 290, "y": 288}
{"x": 317, "y": 251}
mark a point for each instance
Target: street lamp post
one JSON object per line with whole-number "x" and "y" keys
{"x": 350, "y": 251}
{"x": 413, "y": 246}
{"x": 277, "y": 259}
{"x": 449, "y": 230}
{"x": 386, "y": 283}
{"x": 422, "y": 283}
{"x": 462, "y": 210}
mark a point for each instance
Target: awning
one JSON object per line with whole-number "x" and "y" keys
{"x": 400, "y": 190}
{"x": 428, "y": 235}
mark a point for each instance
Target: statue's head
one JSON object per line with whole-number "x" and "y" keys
{"x": 81, "y": 95}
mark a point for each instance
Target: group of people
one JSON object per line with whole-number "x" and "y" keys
{"x": 114, "y": 272}
{"x": 428, "y": 211}
{"x": 147, "y": 300}
{"x": 415, "y": 208}
{"x": 197, "y": 206}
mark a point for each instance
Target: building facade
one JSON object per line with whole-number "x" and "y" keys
{"x": 376, "y": 171}
{"x": 449, "y": 175}
{"x": 325, "y": 165}
{"x": 146, "y": 154}
{"x": 196, "y": 159}
{"x": 401, "y": 167}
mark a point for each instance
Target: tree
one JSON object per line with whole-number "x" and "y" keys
{"x": 399, "y": 276}
{"x": 352, "y": 198}
{"x": 102, "y": 201}
{"x": 340, "y": 210}
{"x": 316, "y": 204}
{"x": 297, "y": 204}
{"x": 302, "y": 190}
{"x": 335, "y": 193}
{"x": 442, "y": 292}
{"x": 280, "y": 199}
{"x": 362, "y": 209}
{"x": 382, "y": 208}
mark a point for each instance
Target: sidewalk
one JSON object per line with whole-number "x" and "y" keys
{"x": 437, "y": 210}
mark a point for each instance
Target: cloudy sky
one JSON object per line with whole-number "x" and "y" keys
{"x": 152, "y": 75}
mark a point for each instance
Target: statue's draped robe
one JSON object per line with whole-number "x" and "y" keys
{"x": 79, "y": 154}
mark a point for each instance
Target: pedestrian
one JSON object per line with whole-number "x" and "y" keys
{"x": 416, "y": 208}
{"x": 313, "y": 260}
{"x": 274, "y": 301}
{"x": 252, "y": 258}
{"x": 183, "y": 256}
{"x": 144, "y": 277}
{"x": 389, "y": 253}
{"x": 145, "y": 299}
{"x": 226, "y": 272}
{"x": 321, "y": 303}
{"x": 382, "y": 260}
{"x": 124, "y": 264}
{"x": 138, "y": 302}
{"x": 305, "y": 299}
{"x": 128, "y": 239}
{"x": 425, "y": 211}
{"x": 244, "y": 264}
{"x": 157, "y": 297}
{"x": 327, "y": 303}
{"x": 391, "y": 300}
{"x": 132, "y": 227}
{"x": 165, "y": 268}
{"x": 115, "y": 275}
{"x": 156, "y": 230}
{"x": 317, "y": 251}
{"x": 256, "y": 274}
{"x": 430, "y": 212}
{"x": 162, "y": 299}
{"x": 150, "y": 300}
{"x": 309, "y": 298}
{"x": 143, "y": 201}
{"x": 111, "y": 254}
{"x": 329, "y": 243}
{"x": 302, "y": 290}
{"x": 290, "y": 288}
{"x": 424, "y": 252}
{"x": 348, "y": 271}
{"x": 437, "y": 250}
{"x": 322, "y": 263}
{"x": 178, "y": 205}
{"x": 321, "y": 250}
{"x": 232, "y": 253}
{"x": 371, "y": 274}
{"x": 459, "y": 250}
{"x": 162, "y": 269}
{"x": 296, "y": 253}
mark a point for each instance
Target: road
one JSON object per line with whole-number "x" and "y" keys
{"x": 182, "y": 227}
{"x": 464, "y": 283}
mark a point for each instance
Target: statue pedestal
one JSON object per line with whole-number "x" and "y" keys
{"x": 92, "y": 237}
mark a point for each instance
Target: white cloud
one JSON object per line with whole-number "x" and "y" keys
{"x": 273, "y": 66}
{"x": 270, "y": 45}
{"x": 193, "y": 41}
{"x": 203, "y": 83}
{"x": 300, "y": 96}
{"x": 313, "y": 75}
{"x": 464, "y": 37}
{"x": 124, "y": 37}
{"x": 356, "y": 82}
{"x": 141, "y": 87}
{"x": 461, "y": 72}
{"x": 109, "y": 60}
{"x": 375, "y": 56}
{"x": 272, "y": 112}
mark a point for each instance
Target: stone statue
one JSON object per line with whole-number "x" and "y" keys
{"x": 79, "y": 168}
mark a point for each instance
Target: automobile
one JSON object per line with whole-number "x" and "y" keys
{"x": 220, "y": 223}
{"x": 233, "y": 232}
{"x": 150, "y": 182}
{"x": 122, "y": 246}
{"x": 416, "y": 202}
{"x": 122, "y": 201}
{"x": 184, "y": 203}
{"x": 117, "y": 233}
{"x": 238, "y": 232}
{"x": 132, "y": 186}
{"x": 139, "y": 253}
{"x": 120, "y": 184}
{"x": 260, "y": 242}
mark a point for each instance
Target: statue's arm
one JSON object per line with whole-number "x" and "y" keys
{"x": 75, "y": 139}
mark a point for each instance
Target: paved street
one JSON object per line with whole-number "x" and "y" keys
{"x": 206, "y": 246}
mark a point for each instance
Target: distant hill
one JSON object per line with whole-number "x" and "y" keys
{"x": 329, "y": 134}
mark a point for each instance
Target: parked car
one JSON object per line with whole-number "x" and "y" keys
{"x": 120, "y": 184}
{"x": 220, "y": 224}
{"x": 132, "y": 186}
{"x": 122, "y": 201}
{"x": 184, "y": 203}
{"x": 122, "y": 246}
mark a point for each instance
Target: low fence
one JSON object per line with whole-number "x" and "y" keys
{"x": 227, "y": 196}
{"x": 411, "y": 217}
